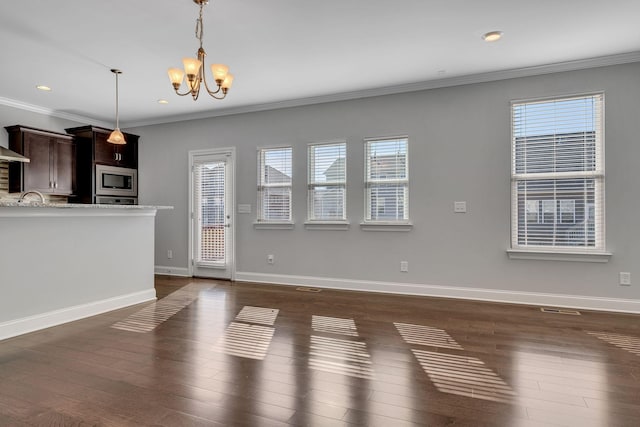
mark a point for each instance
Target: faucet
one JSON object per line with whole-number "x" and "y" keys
{"x": 26, "y": 193}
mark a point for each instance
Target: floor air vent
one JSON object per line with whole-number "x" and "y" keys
{"x": 305, "y": 289}
{"x": 559, "y": 311}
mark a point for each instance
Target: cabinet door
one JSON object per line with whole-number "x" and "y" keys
{"x": 37, "y": 173}
{"x": 105, "y": 151}
{"x": 64, "y": 166}
{"x": 128, "y": 153}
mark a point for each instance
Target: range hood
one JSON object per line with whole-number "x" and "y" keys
{"x": 12, "y": 156}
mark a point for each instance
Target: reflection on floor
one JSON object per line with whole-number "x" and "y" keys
{"x": 340, "y": 356}
{"x": 214, "y": 353}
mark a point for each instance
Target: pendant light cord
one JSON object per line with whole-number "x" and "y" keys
{"x": 117, "y": 117}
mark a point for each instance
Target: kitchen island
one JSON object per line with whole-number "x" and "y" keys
{"x": 63, "y": 262}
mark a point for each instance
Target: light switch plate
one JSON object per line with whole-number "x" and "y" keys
{"x": 625, "y": 278}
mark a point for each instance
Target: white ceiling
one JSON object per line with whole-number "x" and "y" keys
{"x": 284, "y": 52}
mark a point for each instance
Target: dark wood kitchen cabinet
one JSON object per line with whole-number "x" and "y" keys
{"x": 52, "y": 166}
{"x": 94, "y": 148}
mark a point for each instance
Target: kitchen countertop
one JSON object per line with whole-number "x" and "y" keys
{"x": 16, "y": 204}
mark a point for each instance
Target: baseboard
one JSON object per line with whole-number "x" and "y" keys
{"x": 25, "y": 325}
{"x": 172, "y": 271}
{"x": 493, "y": 295}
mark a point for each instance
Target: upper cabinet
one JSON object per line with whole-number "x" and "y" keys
{"x": 93, "y": 147}
{"x": 52, "y": 166}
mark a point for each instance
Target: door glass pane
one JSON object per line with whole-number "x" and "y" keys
{"x": 210, "y": 181}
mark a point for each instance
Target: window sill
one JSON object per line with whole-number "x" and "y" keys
{"x": 284, "y": 225}
{"x": 326, "y": 225}
{"x": 386, "y": 226}
{"x": 559, "y": 256}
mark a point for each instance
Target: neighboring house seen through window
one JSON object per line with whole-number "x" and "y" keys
{"x": 386, "y": 180}
{"x": 274, "y": 184}
{"x": 327, "y": 182}
{"x": 557, "y": 174}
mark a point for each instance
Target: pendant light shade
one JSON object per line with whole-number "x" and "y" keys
{"x": 116, "y": 136}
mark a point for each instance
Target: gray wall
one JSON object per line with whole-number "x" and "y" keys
{"x": 459, "y": 145}
{"x": 13, "y": 116}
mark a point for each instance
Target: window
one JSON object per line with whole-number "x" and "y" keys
{"x": 327, "y": 182}
{"x": 274, "y": 184}
{"x": 557, "y": 174}
{"x": 386, "y": 180}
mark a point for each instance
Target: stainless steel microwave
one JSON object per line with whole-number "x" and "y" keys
{"x": 115, "y": 181}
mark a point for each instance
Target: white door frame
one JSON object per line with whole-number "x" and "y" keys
{"x": 230, "y": 152}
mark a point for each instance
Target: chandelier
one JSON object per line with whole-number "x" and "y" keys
{"x": 194, "y": 70}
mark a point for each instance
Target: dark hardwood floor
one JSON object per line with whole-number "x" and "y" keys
{"x": 213, "y": 353}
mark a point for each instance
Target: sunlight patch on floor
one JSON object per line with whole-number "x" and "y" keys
{"x": 334, "y": 325}
{"x": 426, "y": 335}
{"x": 261, "y": 315}
{"x": 625, "y": 342}
{"x": 155, "y": 314}
{"x": 464, "y": 376}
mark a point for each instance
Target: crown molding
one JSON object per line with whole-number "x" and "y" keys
{"x": 52, "y": 113}
{"x": 581, "y": 64}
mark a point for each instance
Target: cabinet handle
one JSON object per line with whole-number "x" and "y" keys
{"x": 55, "y": 184}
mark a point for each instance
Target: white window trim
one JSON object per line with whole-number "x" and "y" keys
{"x": 274, "y": 225}
{"x": 327, "y": 225}
{"x": 561, "y": 253}
{"x": 543, "y": 255}
{"x": 386, "y": 225}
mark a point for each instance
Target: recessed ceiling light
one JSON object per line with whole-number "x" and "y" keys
{"x": 162, "y": 101}
{"x": 492, "y": 36}
{"x": 44, "y": 88}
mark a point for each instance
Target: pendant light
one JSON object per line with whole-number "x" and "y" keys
{"x": 116, "y": 136}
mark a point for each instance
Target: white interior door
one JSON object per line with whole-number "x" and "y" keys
{"x": 211, "y": 205}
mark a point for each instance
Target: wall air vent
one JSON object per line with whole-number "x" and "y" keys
{"x": 305, "y": 289}
{"x": 559, "y": 311}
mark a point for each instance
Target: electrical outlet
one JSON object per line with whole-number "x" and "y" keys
{"x": 404, "y": 266}
{"x": 169, "y": 254}
{"x": 270, "y": 259}
{"x": 460, "y": 207}
{"x": 625, "y": 278}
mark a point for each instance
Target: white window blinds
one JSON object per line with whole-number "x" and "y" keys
{"x": 327, "y": 178}
{"x": 557, "y": 174}
{"x": 386, "y": 180}
{"x": 274, "y": 184}
{"x": 209, "y": 183}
